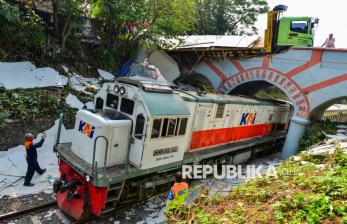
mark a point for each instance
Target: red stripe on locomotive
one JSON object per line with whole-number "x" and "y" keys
{"x": 205, "y": 138}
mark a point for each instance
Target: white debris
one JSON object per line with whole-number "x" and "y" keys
{"x": 13, "y": 166}
{"x": 25, "y": 75}
{"x": 74, "y": 102}
{"x": 66, "y": 69}
{"x": 167, "y": 66}
{"x": 337, "y": 137}
{"x": 49, "y": 214}
{"x": 149, "y": 209}
{"x": 105, "y": 75}
{"x": 90, "y": 105}
{"x": 329, "y": 146}
{"x": 62, "y": 218}
{"x": 341, "y": 126}
{"x": 35, "y": 219}
{"x": 116, "y": 222}
{"x": 80, "y": 83}
{"x": 296, "y": 158}
{"x": 320, "y": 166}
{"x": 322, "y": 150}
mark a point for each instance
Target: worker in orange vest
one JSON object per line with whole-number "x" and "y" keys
{"x": 178, "y": 191}
{"x": 31, "y": 158}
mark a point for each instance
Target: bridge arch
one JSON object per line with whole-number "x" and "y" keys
{"x": 265, "y": 77}
{"x": 318, "y": 112}
{"x": 312, "y": 78}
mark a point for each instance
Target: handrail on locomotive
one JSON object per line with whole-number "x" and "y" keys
{"x": 105, "y": 158}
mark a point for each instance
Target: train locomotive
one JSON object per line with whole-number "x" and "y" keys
{"x": 141, "y": 131}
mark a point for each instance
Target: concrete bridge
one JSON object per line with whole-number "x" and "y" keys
{"x": 312, "y": 78}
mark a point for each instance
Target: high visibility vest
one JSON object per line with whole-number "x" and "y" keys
{"x": 27, "y": 144}
{"x": 180, "y": 190}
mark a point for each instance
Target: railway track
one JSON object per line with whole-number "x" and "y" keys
{"x": 53, "y": 204}
{"x": 12, "y": 215}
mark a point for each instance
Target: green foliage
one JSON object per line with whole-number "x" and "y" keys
{"x": 236, "y": 17}
{"x": 32, "y": 104}
{"x": 308, "y": 195}
{"x": 271, "y": 93}
{"x": 3, "y": 116}
{"x": 314, "y": 134}
{"x": 72, "y": 12}
{"x": 306, "y": 208}
{"x": 129, "y": 23}
{"x": 20, "y": 30}
{"x": 109, "y": 58}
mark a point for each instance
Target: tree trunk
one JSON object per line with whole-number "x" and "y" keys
{"x": 66, "y": 32}
{"x": 55, "y": 17}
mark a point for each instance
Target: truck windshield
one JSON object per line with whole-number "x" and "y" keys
{"x": 299, "y": 26}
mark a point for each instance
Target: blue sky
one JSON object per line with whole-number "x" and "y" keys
{"x": 332, "y": 15}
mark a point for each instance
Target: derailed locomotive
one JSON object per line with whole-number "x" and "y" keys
{"x": 141, "y": 131}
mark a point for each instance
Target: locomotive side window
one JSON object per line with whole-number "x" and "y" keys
{"x": 171, "y": 129}
{"x": 99, "y": 103}
{"x": 164, "y": 129}
{"x": 140, "y": 125}
{"x": 183, "y": 126}
{"x": 156, "y": 128}
{"x": 220, "y": 111}
{"x": 112, "y": 101}
{"x": 127, "y": 106}
{"x": 177, "y": 125}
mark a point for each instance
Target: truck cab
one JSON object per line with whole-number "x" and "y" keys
{"x": 296, "y": 31}
{"x": 285, "y": 32}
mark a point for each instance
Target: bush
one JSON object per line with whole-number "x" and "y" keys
{"x": 21, "y": 30}
{"x": 314, "y": 134}
{"x": 109, "y": 58}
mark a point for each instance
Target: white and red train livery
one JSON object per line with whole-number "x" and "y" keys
{"x": 152, "y": 127}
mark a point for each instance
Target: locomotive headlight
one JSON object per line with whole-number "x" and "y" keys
{"x": 88, "y": 178}
{"x": 116, "y": 88}
{"x": 122, "y": 90}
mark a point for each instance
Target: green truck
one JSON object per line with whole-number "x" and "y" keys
{"x": 284, "y": 32}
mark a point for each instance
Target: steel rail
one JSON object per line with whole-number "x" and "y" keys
{"x": 15, "y": 214}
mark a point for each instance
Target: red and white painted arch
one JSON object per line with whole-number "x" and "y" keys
{"x": 309, "y": 77}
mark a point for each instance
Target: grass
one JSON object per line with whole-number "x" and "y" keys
{"x": 298, "y": 193}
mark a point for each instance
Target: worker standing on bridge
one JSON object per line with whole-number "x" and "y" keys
{"x": 330, "y": 41}
{"x": 33, "y": 165}
{"x": 178, "y": 192}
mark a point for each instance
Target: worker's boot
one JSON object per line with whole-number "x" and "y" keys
{"x": 43, "y": 171}
{"x": 29, "y": 185}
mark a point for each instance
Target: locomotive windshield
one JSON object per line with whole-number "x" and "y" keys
{"x": 112, "y": 101}
{"x": 127, "y": 106}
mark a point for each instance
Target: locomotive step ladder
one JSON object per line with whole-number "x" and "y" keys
{"x": 114, "y": 194}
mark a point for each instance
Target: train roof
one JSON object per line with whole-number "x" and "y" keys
{"x": 164, "y": 104}
{"x": 226, "y": 99}
{"x": 338, "y": 107}
{"x": 158, "y": 95}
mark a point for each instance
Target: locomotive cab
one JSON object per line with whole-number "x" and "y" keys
{"x": 100, "y": 136}
{"x": 159, "y": 116}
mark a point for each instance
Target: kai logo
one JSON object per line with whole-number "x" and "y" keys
{"x": 86, "y": 129}
{"x": 248, "y": 118}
